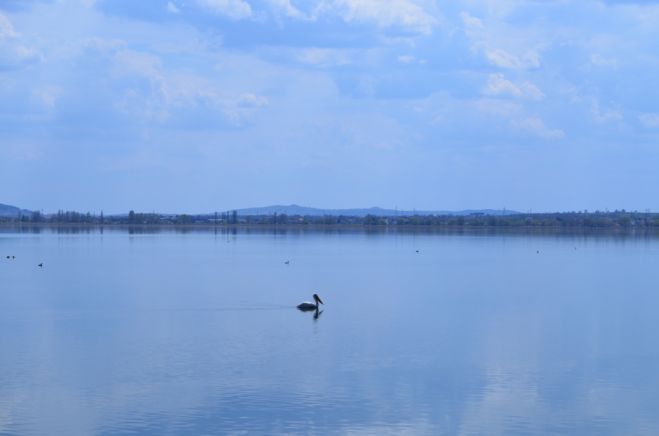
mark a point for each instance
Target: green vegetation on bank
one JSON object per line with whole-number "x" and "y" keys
{"x": 615, "y": 219}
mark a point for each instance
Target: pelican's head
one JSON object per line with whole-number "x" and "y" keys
{"x": 317, "y": 299}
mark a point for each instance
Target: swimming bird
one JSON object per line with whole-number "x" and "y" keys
{"x": 40, "y": 265}
{"x": 287, "y": 262}
{"x": 307, "y": 306}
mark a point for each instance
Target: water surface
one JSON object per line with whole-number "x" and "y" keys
{"x": 197, "y": 333}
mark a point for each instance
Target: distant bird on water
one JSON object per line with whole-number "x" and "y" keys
{"x": 287, "y": 262}
{"x": 40, "y": 265}
{"x": 307, "y": 306}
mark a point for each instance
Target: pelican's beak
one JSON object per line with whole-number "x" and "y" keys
{"x": 319, "y": 300}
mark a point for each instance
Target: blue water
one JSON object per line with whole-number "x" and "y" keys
{"x": 197, "y": 333}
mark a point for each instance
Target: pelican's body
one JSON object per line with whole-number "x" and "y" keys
{"x": 307, "y": 306}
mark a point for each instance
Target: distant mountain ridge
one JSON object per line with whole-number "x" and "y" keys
{"x": 8, "y": 211}
{"x": 295, "y": 209}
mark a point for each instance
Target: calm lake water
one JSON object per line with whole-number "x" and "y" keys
{"x": 197, "y": 333}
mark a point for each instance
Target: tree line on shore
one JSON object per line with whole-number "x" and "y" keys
{"x": 583, "y": 219}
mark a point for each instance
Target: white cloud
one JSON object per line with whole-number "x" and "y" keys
{"x": 405, "y": 14}
{"x": 48, "y": 95}
{"x": 15, "y": 56}
{"x": 173, "y": 92}
{"x": 144, "y": 64}
{"x": 605, "y": 116}
{"x": 250, "y": 100}
{"x": 537, "y": 127}
{"x": 172, "y": 8}
{"x": 21, "y": 151}
{"x": 601, "y": 61}
{"x": 6, "y": 28}
{"x": 233, "y": 9}
{"x": 406, "y": 59}
{"x": 650, "y": 120}
{"x": 286, "y": 7}
{"x": 519, "y": 52}
{"x": 472, "y": 24}
{"x": 497, "y": 84}
{"x": 571, "y": 92}
{"x": 502, "y": 58}
{"x": 322, "y": 57}
{"x": 498, "y": 107}
{"x": 13, "y": 53}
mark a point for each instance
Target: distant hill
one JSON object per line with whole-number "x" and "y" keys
{"x": 7, "y": 211}
{"x": 294, "y": 209}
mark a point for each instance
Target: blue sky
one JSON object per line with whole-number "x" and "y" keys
{"x": 201, "y": 105}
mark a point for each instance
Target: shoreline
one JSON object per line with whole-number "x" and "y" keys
{"x": 330, "y": 228}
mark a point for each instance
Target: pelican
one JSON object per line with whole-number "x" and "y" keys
{"x": 307, "y": 306}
